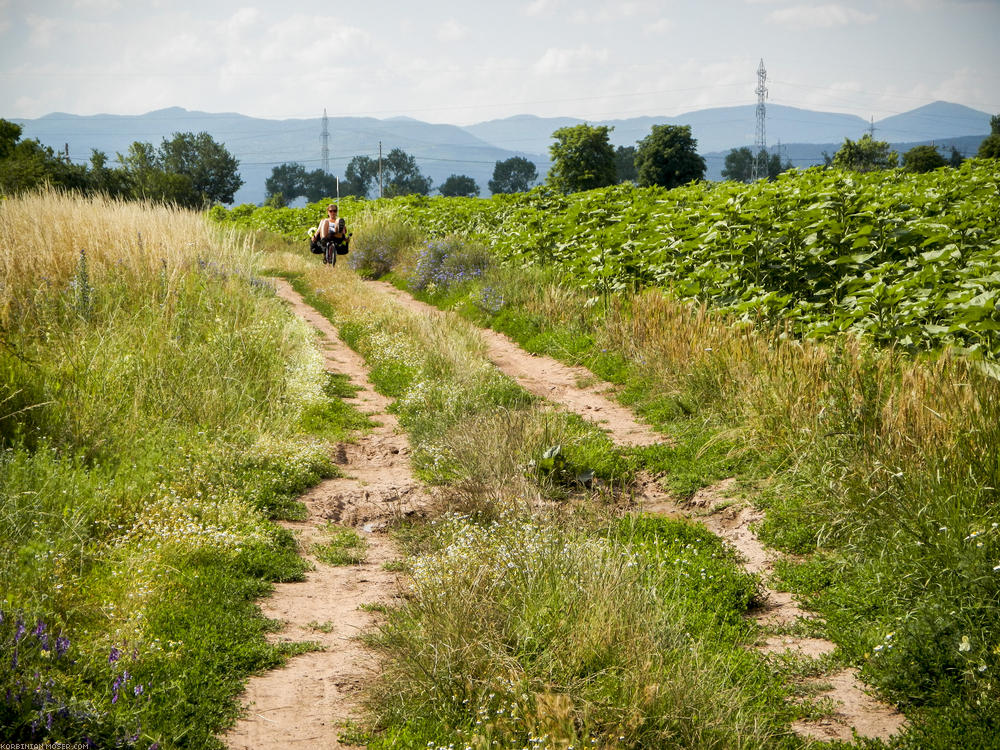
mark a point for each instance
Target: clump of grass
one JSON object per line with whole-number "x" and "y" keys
{"x": 379, "y": 241}
{"x": 519, "y": 632}
{"x": 345, "y": 547}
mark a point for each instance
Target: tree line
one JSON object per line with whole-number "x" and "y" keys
{"x": 188, "y": 169}
{"x": 397, "y": 174}
{"x": 195, "y": 171}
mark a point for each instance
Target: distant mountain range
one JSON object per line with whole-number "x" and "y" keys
{"x": 442, "y": 150}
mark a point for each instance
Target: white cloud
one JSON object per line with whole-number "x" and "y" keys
{"x": 538, "y": 7}
{"x": 821, "y": 16}
{"x": 565, "y": 60}
{"x": 89, "y": 5}
{"x": 42, "y": 31}
{"x": 660, "y": 26}
{"x": 452, "y": 31}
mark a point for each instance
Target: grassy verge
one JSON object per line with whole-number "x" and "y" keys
{"x": 158, "y": 406}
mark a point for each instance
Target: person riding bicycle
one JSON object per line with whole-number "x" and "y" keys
{"x": 331, "y": 235}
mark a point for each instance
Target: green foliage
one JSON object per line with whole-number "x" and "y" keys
{"x": 740, "y": 163}
{"x": 668, "y": 157}
{"x": 513, "y": 175}
{"x": 923, "y": 159}
{"x": 903, "y": 259}
{"x": 865, "y": 155}
{"x": 582, "y": 159}
{"x": 345, "y": 547}
{"x": 211, "y": 169}
{"x": 25, "y": 165}
{"x": 401, "y": 175}
{"x": 990, "y": 147}
{"x": 625, "y": 164}
{"x": 459, "y": 186}
{"x": 290, "y": 181}
{"x": 362, "y": 174}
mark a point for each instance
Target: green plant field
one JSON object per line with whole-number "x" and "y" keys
{"x": 909, "y": 260}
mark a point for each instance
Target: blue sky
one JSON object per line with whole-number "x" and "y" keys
{"x": 465, "y": 62}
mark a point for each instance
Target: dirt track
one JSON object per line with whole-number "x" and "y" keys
{"x": 303, "y": 704}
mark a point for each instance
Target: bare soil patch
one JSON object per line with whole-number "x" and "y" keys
{"x": 306, "y": 703}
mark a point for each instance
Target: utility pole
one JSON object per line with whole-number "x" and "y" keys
{"x": 380, "y": 169}
{"x": 871, "y": 128}
{"x": 325, "y": 137}
{"x": 760, "y": 143}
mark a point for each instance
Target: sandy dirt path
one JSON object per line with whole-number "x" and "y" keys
{"x": 718, "y": 507}
{"x": 306, "y": 703}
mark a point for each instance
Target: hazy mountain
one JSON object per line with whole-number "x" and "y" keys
{"x": 724, "y": 128}
{"x": 442, "y": 150}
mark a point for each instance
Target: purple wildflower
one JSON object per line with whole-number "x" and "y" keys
{"x": 137, "y": 689}
{"x": 114, "y": 656}
{"x": 62, "y": 645}
{"x": 20, "y": 630}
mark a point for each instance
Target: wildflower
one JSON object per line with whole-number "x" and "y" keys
{"x": 114, "y": 655}
{"x": 965, "y": 645}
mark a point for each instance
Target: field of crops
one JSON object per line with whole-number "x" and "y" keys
{"x": 908, "y": 259}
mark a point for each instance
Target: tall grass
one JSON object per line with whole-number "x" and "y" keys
{"x": 153, "y": 394}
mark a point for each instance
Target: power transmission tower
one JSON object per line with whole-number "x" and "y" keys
{"x": 760, "y": 143}
{"x": 871, "y": 128}
{"x": 325, "y": 136}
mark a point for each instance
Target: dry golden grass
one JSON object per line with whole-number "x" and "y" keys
{"x": 785, "y": 387}
{"x": 43, "y": 234}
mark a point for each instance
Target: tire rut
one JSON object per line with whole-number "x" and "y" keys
{"x": 306, "y": 703}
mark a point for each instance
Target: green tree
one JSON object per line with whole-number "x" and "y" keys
{"x": 625, "y": 164}
{"x": 956, "y": 158}
{"x": 923, "y": 159}
{"x": 739, "y": 165}
{"x": 289, "y": 179}
{"x": 213, "y": 171}
{"x": 459, "y": 185}
{"x": 401, "y": 176}
{"x": 582, "y": 159}
{"x": 27, "y": 164}
{"x": 10, "y": 134}
{"x": 865, "y": 155}
{"x": 319, "y": 185}
{"x": 362, "y": 174}
{"x": 668, "y": 157}
{"x": 513, "y": 175}
{"x": 990, "y": 147}
{"x": 106, "y": 180}
{"x": 149, "y": 181}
